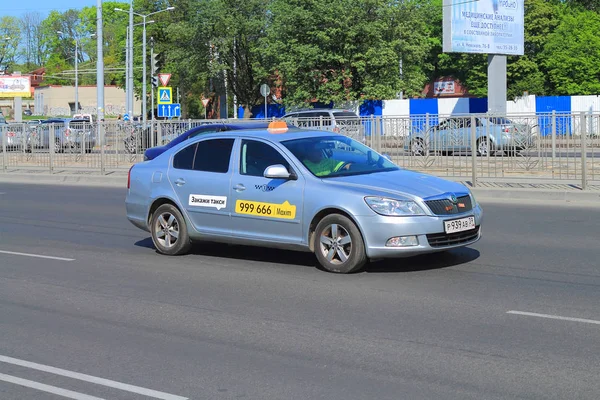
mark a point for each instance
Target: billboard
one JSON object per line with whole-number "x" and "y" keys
{"x": 443, "y": 87}
{"x": 484, "y": 26}
{"x": 15, "y": 86}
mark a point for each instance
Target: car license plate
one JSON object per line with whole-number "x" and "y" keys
{"x": 459, "y": 225}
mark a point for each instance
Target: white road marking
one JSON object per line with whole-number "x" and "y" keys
{"x": 530, "y": 314}
{"x": 36, "y": 255}
{"x": 93, "y": 379}
{"x": 47, "y": 388}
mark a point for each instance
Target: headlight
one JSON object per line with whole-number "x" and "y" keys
{"x": 473, "y": 199}
{"x": 391, "y": 207}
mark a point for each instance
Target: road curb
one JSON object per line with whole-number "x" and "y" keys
{"x": 66, "y": 179}
{"x": 537, "y": 194}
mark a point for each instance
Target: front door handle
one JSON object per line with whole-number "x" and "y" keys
{"x": 180, "y": 182}
{"x": 239, "y": 187}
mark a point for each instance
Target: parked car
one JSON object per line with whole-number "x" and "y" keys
{"x": 13, "y": 134}
{"x": 492, "y": 134}
{"x": 27, "y": 112}
{"x": 153, "y": 152}
{"x": 297, "y": 189}
{"x": 345, "y": 122}
{"x": 52, "y": 131}
{"x": 82, "y": 134}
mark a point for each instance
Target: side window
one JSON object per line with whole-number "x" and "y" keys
{"x": 257, "y": 156}
{"x": 184, "y": 159}
{"x": 203, "y": 132}
{"x": 213, "y": 155}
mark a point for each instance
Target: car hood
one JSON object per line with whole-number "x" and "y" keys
{"x": 401, "y": 182}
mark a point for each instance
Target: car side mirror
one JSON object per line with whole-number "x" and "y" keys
{"x": 278, "y": 171}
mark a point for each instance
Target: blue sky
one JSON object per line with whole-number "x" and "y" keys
{"x": 18, "y": 8}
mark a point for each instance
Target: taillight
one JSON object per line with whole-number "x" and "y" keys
{"x": 129, "y": 177}
{"x": 67, "y": 131}
{"x": 11, "y": 134}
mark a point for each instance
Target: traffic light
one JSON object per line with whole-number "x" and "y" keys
{"x": 154, "y": 64}
{"x": 155, "y": 81}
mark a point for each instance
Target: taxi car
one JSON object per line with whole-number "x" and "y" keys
{"x": 297, "y": 189}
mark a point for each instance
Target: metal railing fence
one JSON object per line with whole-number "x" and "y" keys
{"x": 561, "y": 147}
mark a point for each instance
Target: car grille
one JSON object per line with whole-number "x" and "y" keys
{"x": 452, "y": 239}
{"x": 446, "y": 207}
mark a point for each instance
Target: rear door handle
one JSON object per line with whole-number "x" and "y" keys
{"x": 239, "y": 187}
{"x": 180, "y": 182}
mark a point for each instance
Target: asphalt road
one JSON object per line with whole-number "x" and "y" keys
{"x": 246, "y": 323}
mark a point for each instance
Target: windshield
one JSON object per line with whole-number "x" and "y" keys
{"x": 331, "y": 156}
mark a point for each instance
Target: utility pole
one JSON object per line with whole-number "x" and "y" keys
{"x": 99, "y": 63}
{"x": 152, "y": 91}
{"x": 131, "y": 102}
{"x": 127, "y": 74}
{"x": 76, "y": 76}
{"x": 144, "y": 92}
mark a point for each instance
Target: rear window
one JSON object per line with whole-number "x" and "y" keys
{"x": 345, "y": 115}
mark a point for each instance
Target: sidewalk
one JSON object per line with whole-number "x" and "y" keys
{"x": 525, "y": 189}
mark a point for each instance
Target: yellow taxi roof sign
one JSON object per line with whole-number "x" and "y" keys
{"x": 277, "y": 127}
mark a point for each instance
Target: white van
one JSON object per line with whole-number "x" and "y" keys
{"x": 87, "y": 117}
{"x": 345, "y": 122}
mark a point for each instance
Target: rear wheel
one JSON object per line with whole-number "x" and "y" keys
{"x": 130, "y": 145}
{"x": 169, "y": 231}
{"x": 418, "y": 147}
{"x": 338, "y": 245}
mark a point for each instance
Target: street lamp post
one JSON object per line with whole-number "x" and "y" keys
{"x": 77, "y": 40}
{"x": 144, "y": 77}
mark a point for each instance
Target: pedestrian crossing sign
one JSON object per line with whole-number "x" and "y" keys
{"x": 165, "y": 95}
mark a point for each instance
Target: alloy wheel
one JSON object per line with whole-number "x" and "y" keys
{"x": 335, "y": 244}
{"x": 167, "y": 230}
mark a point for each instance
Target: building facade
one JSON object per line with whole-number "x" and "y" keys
{"x": 56, "y": 100}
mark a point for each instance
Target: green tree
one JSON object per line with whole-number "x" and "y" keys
{"x": 10, "y": 33}
{"x": 526, "y": 73}
{"x": 334, "y": 51}
{"x": 571, "y": 55}
{"x": 237, "y": 33}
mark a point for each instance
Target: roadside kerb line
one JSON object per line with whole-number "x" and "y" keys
{"x": 530, "y": 314}
{"x": 14, "y": 253}
{"x": 92, "y": 379}
{"x": 47, "y": 388}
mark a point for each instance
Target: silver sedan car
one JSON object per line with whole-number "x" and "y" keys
{"x": 297, "y": 189}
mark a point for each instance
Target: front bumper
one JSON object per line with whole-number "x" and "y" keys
{"x": 429, "y": 230}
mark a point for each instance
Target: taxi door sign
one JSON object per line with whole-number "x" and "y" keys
{"x": 269, "y": 210}
{"x": 165, "y": 95}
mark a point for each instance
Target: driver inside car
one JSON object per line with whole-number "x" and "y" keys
{"x": 315, "y": 160}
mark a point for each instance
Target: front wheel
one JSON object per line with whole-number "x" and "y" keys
{"x": 169, "y": 231}
{"x": 483, "y": 147}
{"x": 57, "y": 146}
{"x": 338, "y": 245}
